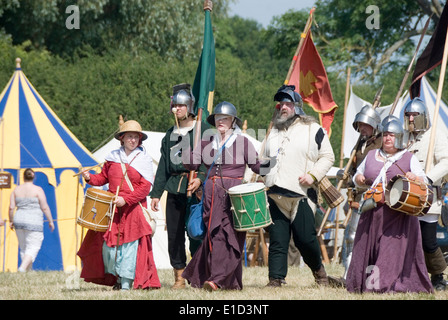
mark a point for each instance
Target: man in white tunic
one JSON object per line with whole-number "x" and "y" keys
{"x": 304, "y": 155}
{"x": 417, "y": 123}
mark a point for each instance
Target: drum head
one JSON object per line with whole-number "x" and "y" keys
{"x": 246, "y": 187}
{"x": 395, "y": 191}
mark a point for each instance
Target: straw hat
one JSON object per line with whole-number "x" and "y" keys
{"x": 130, "y": 126}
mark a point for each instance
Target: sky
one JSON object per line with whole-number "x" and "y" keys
{"x": 264, "y": 10}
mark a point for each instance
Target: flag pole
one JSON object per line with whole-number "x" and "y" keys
{"x": 405, "y": 78}
{"x": 302, "y": 39}
{"x": 429, "y": 158}
{"x": 291, "y": 68}
{"x": 208, "y": 6}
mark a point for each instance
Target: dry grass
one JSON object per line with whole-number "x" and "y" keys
{"x": 63, "y": 286}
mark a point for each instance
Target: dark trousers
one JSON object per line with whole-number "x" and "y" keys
{"x": 177, "y": 213}
{"x": 304, "y": 236}
{"x": 429, "y": 236}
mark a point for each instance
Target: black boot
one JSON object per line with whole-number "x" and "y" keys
{"x": 438, "y": 282}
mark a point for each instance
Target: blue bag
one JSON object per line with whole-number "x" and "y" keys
{"x": 196, "y": 225}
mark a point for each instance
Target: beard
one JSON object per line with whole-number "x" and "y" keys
{"x": 283, "y": 123}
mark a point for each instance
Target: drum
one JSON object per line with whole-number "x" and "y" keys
{"x": 411, "y": 197}
{"x": 330, "y": 193}
{"x": 97, "y": 210}
{"x": 250, "y": 206}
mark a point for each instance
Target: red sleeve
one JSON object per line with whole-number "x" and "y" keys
{"x": 101, "y": 178}
{"x": 141, "y": 191}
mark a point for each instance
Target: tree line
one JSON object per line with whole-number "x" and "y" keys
{"x": 126, "y": 56}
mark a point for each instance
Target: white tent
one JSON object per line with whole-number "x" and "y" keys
{"x": 427, "y": 94}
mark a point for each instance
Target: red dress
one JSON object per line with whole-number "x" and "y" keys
{"x": 131, "y": 223}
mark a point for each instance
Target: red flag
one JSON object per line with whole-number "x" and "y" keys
{"x": 311, "y": 81}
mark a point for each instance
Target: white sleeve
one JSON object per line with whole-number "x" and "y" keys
{"x": 417, "y": 169}
{"x": 360, "y": 171}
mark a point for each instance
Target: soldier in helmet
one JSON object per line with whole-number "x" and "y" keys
{"x": 217, "y": 263}
{"x": 304, "y": 156}
{"x": 172, "y": 177}
{"x": 367, "y": 123}
{"x": 387, "y": 253}
{"x": 417, "y": 123}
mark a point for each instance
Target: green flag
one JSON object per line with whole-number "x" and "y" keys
{"x": 204, "y": 81}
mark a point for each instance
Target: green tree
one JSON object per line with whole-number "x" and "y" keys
{"x": 170, "y": 27}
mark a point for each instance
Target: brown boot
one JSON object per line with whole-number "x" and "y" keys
{"x": 179, "y": 281}
{"x": 275, "y": 282}
{"x": 435, "y": 262}
{"x": 321, "y": 276}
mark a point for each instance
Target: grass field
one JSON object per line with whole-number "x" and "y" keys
{"x": 38, "y": 285}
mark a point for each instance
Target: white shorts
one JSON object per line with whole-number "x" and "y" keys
{"x": 29, "y": 242}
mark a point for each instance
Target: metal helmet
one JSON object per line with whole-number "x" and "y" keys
{"x": 182, "y": 95}
{"x": 225, "y": 108}
{"x": 396, "y": 127}
{"x": 287, "y": 93}
{"x": 368, "y": 115}
{"x": 388, "y": 119}
{"x": 421, "y": 121}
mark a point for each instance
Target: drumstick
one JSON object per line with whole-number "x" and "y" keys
{"x": 113, "y": 210}
{"x": 404, "y": 173}
{"x": 81, "y": 172}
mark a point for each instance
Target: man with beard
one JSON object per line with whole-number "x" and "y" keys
{"x": 304, "y": 156}
{"x": 417, "y": 123}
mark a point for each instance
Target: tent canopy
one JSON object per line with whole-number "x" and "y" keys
{"x": 33, "y": 136}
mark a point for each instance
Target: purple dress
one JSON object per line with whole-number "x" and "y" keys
{"x": 219, "y": 257}
{"x": 387, "y": 252}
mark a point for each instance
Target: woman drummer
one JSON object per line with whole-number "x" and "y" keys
{"x": 217, "y": 264}
{"x": 387, "y": 254}
{"x": 123, "y": 254}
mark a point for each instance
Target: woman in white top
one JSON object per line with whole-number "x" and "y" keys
{"x": 27, "y": 221}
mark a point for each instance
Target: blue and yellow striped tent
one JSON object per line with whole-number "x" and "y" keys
{"x": 32, "y": 136}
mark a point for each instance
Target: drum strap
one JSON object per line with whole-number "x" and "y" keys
{"x": 146, "y": 213}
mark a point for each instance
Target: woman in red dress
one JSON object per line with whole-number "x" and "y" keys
{"x": 123, "y": 254}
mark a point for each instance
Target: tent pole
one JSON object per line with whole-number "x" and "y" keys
{"x": 76, "y": 215}
{"x": 430, "y": 155}
{"x": 347, "y": 93}
{"x": 341, "y": 162}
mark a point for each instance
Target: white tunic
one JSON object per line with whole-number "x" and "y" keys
{"x": 420, "y": 147}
